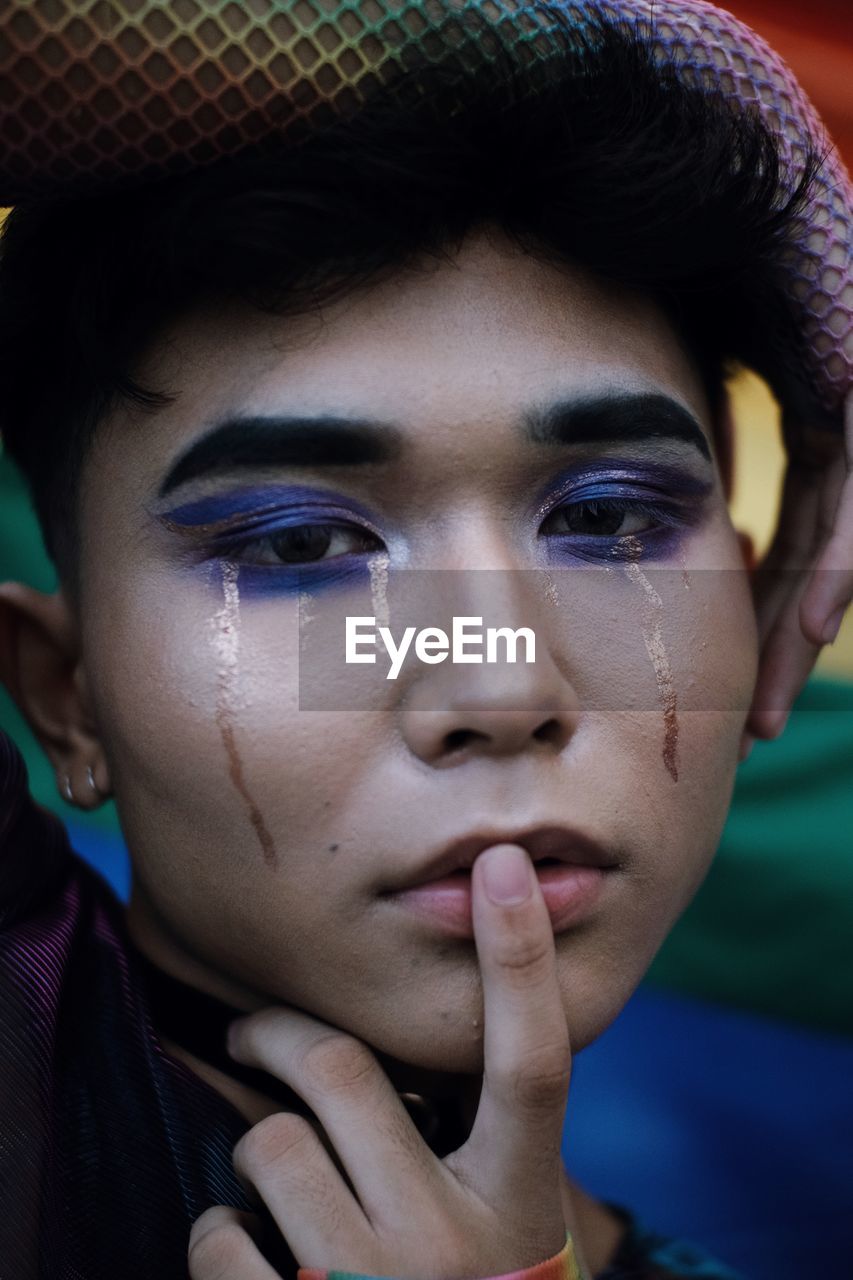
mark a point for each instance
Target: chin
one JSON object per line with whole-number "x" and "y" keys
{"x": 436, "y": 1023}
{"x": 456, "y": 1046}
{"x": 433, "y": 1048}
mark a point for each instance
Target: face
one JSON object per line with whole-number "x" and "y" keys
{"x": 486, "y": 413}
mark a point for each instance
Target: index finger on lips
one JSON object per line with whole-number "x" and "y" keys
{"x": 518, "y": 1128}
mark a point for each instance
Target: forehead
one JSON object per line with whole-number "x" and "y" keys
{"x": 466, "y": 343}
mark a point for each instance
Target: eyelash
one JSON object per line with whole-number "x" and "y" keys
{"x": 663, "y": 517}
{"x": 662, "y": 521}
{"x": 238, "y": 548}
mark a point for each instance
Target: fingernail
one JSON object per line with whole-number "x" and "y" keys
{"x": 833, "y": 626}
{"x": 507, "y": 875}
{"x": 781, "y": 725}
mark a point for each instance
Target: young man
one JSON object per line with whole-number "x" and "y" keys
{"x": 483, "y": 326}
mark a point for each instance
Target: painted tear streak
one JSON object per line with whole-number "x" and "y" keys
{"x": 378, "y": 568}
{"x": 653, "y": 638}
{"x": 685, "y": 576}
{"x": 306, "y": 617}
{"x": 226, "y": 641}
{"x": 551, "y": 590}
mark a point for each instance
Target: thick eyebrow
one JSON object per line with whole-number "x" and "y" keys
{"x": 251, "y": 442}
{"x": 615, "y": 416}
{"x": 326, "y": 441}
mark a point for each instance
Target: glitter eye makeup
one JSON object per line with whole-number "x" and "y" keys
{"x": 237, "y": 507}
{"x": 280, "y": 540}
{"x": 596, "y": 507}
{"x": 284, "y": 540}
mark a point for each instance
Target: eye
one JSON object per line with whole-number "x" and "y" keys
{"x": 602, "y": 518}
{"x": 305, "y": 544}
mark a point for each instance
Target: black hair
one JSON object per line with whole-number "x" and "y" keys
{"x": 596, "y": 156}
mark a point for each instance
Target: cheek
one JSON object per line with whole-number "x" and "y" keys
{"x": 664, "y": 641}
{"x": 668, "y": 687}
{"x": 707, "y": 633}
{"x": 670, "y": 828}
{"x": 197, "y": 699}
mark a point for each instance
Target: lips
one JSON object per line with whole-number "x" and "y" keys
{"x": 555, "y": 843}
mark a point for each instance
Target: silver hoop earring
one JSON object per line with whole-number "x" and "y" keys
{"x": 69, "y": 794}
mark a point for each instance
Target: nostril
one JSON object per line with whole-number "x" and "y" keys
{"x": 459, "y": 738}
{"x": 549, "y": 731}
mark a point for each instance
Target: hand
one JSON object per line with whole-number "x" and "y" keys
{"x": 493, "y": 1206}
{"x": 805, "y": 582}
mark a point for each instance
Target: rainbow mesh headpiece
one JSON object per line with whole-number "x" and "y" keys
{"x": 94, "y": 91}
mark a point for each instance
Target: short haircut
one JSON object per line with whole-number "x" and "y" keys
{"x": 596, "y": 156}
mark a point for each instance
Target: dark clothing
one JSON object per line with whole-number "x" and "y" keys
{"x": 109, "y": 1147}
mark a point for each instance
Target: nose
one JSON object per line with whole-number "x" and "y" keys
{"x": 485, "y": 720}
{"x": 455, "y": 712}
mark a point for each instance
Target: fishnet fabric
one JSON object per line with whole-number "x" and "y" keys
{"x": 99, "y": 91}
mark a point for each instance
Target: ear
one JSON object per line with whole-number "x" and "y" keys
{"x": 40, "y": 666}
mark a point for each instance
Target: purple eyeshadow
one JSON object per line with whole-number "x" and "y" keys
{"x": 622, "y": 478}
{"x": 227, "y": 508}
{"x": 222, "y": 526}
